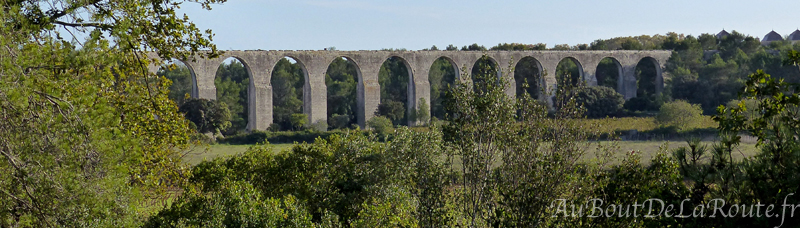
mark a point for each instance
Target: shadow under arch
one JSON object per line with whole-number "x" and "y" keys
{"x": 391, "y": 79}
{"x": 529, "y": 70}
{"x": 609, "y": 74}
{"x": 443, "y": 73}
{"x": 569, "y": 66}
{"x": 649, "y": 78}
{"x": 484, "y": 66}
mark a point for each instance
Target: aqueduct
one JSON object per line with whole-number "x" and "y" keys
{"x": 259, "y": 65}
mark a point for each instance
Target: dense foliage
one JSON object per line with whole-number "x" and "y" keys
{"x": 393, "y": 78}
{"x": 206, "y": 116}
{"x": 341, "y": 81}
{"x": 231, "y": 81}
{"x": 679, "y": 114}
{"x": 600, "y": 101}
{"x": 287, "y": 93}
{"x": 87, "y": 134}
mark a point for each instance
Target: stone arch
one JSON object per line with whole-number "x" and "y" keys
{"x": 451, "y": 61}
{"x": 602, "y": 71}
{"x": 193, "y": 93}
{"x": 493, "y": 68}
{"x": 657, "y": 80}
{"x": 249, "y": 107}
{"x": 304, "y": 98}
{"x": 580, "y": 77}
{"x": 438, "y": 86}
{"x": 297, "y": 60}
{"x": 537, "y": 84}
{"x": 410, "y": 97}
{"x": 493, "y": 62}
{"x": 356, "y": 109}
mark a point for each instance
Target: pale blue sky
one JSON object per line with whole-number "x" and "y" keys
{"x": 418, "y": 24}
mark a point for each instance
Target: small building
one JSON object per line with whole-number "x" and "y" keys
{"x": 722, "y": 34}
{"x": 770, "y": 37}
{"x": 795, "y": 36}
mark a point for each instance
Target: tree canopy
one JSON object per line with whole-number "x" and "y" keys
{"x": 85, "y": 126}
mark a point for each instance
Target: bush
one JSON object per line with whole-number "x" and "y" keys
{"x": 381, "y": 125}
{"x": 299, "y": 120}
{"x": 318, "y": 126}
{"x": 600, "y": 101}
{"x": 393, "y": 110}
{"x": 751, "y": 107}
{"x": 339, "y": 121}
{"x": 645, "y": 103}
{"x": 235, "y": 204}
{"x": 276, "y": 137}
{"x": 423, "y": 113}
{"x": 207, "y": 115}
{"x": 680, "y": 114}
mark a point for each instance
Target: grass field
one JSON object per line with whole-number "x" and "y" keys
{"x": 639, "y": 123}
{"x": 647, "y": 149}
{"x": 198, "y": 154}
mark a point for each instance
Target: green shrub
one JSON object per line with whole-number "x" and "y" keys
{"x": 207, "y": 115}
{"x": 751, "y": 107}
{"x": 392, "y": 207}
{"x": 393, "y": 110}
{"x": 274, "y": 127}
{"x": 381, "y": 125}
{"x": 647, "y": 103}
{"x": 299, "y": 120}
{"x": 277, "y": 137}
{"x": 423, "y": 113}
{"x": 680, "y": 114}
{"x": 600, "y": 101}
{"x": 234, "y": 204}
{"x": 318, "y": 126}
{"x": 339, "y": 121}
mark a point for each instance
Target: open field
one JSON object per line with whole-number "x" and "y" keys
{"x": 647, "y": 149}
{"x": 639, "y": 123}
{"x": 198, "y": 154}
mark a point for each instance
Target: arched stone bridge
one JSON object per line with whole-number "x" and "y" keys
{"x": 259, "y": 65}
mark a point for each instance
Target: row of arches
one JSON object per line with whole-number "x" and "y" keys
{"x": 344, "y": 84}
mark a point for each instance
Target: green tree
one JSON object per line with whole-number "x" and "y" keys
{"x": 680, "y": 114}
{"x": 600, "y": 101}
{"x": 393, "y": 110}
{"x": 393, "y": 79}
{"x": 608, "y": 73}
{"x": 527, "y": 78}
{"x": 568, "y": 73}
{"x": 483, "y": 69}
{"x": 423, "y": 113}
{"x": 208, "y": 116}
{"x": 87, "y": 133}
{"x": 381, "y": 125}
{"x": 231, "y": 82}
{"x": 287, "y": 92}
{"x": 299, "y": 120}
{"x": 442, "y": 76}
{"x": 473, "y": 47}
{"x": 483, "y": 131}
{"x": 340, "y": 80}
{"x": 181, "y": 78}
